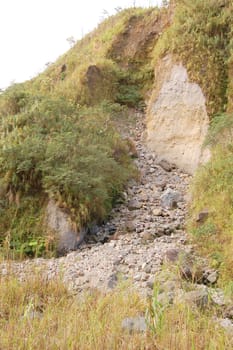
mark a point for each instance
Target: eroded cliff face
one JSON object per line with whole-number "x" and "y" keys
{"x": 177, "y": 120}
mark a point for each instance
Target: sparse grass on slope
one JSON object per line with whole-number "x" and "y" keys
{"x": 38, "y": 314}
{"x": 212, "y": 189}
{"x": 199, "y": 37}
{"x": 68, "y": 75}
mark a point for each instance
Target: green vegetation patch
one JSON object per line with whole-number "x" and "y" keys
{"x": 212, "y": 189}
{"x": 199, "y": 37}
{"x": 52, "y": 148}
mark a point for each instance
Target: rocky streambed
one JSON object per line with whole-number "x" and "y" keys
{"x": 133, "y": 243}
{"x": 142, "y": 241}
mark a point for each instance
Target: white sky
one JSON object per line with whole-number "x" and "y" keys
{"x": 34, "y": 32}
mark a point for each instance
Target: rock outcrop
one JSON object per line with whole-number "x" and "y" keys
{"x": 59, "y": 222}
{"x": 177, "y": 120}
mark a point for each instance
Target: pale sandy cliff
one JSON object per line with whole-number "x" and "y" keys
{"x": 177, "y": 120}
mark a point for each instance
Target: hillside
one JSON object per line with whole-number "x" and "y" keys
{"x": 121, "y": 152}
{"x": 58, "y": 140}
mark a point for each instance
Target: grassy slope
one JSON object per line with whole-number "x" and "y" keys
{"x": 201, "y": 37}
{"x": 58, "y": 137}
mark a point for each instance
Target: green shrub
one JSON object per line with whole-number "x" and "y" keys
{"x": 51, "y": 148}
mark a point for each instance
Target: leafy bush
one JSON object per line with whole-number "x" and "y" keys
{"x": 52, "y": 148}
{"x": 24, "y": 234}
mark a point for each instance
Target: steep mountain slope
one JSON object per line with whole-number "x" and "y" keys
{"x": 58, "y": 142}
{"x": 74, "y": 146}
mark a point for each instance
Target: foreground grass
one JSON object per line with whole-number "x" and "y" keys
{"x": 39, "y": 314}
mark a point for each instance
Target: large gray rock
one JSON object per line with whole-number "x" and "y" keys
{"x": 170, "y": 199}
{"x": 197, "y": 297}
{"x": 68, "y": 238}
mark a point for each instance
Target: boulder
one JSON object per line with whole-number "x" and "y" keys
{"x": 68, "y": 238}
{"x": 177, "y": 119}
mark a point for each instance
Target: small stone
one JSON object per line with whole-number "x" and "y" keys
{"x": 202, "y": 216}
{"x": 147, "y": 269}
{"x": 144, "y": 198}
{"x": 229, "y": 312}
{"x": 139, "y": 229}
{"x": 172, "y": 255}
{"x": 117, "y": 261}
{"x": 130, "y": 226}
{"x": 169, "y": 286}
{"x": 213, "y": 277}
{"x": 134, "y": 205}
{"x": 227, "y": 325}
{"x": 134, "y": 324}
{"x": 165, "y": 165}
{"x": 161, "y": 184}
{"x": 112, "y": 282}
{"x": 150, "y": 283}
{"x": 166, "y": 298}
{"x": 144, "y": 277}
{"x": 157, "y": 212}
{"x": 170, "y": 199}
{"x": 148, "y": 237}
{"x": 111, "y": 229}
{"x": 198, "y": 297}
{"x": 217, "y": 296}
{"x": 137, "y": 278}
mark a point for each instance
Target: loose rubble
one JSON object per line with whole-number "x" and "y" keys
{"x": 133, "y": 243}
